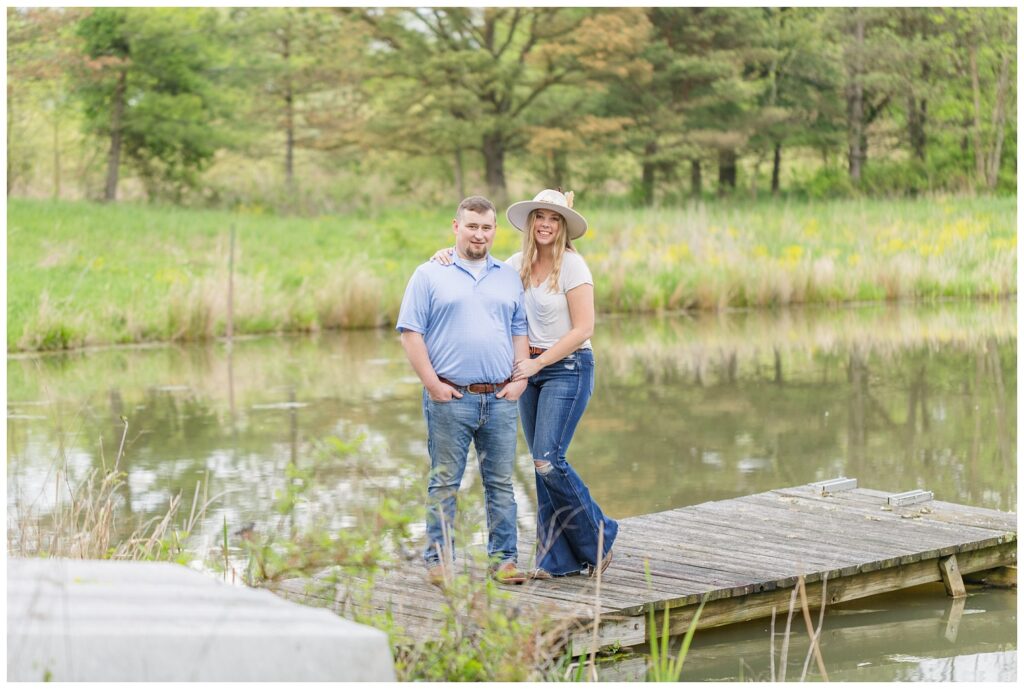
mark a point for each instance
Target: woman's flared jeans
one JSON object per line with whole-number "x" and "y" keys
{"x": 568, "y": 519}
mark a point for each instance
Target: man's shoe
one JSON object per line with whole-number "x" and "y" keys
{"x": 539, "y": 574}
{"x": 508, "y": 573}
{"x": 436, "y": 576}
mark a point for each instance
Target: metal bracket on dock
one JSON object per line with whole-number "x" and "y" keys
{"x": 834, "y": 485}
{"x": 911, "y": 497}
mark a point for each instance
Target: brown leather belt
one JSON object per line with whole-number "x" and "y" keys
{"x": 477, "y": 388}
{"x": 536, "y": 350}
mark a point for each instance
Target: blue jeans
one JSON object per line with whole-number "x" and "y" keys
{"x": 568, "y": 519}
{"x": 489, "y": 422}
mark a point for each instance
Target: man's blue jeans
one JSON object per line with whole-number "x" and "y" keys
{"x": 489, "y": 422}
{"x": 568, "y": 519}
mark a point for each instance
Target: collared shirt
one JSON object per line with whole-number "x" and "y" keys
{"x": 467, "y": 322}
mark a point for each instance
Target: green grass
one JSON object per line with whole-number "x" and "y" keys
{"x": 82, "y": 273}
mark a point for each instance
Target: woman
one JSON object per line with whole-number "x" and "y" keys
{"x": 559, "y": 304}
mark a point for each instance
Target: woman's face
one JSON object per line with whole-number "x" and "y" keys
{"x": 546, "y": 225}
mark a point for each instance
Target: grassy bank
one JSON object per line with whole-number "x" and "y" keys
{"x": 82, "y": 273}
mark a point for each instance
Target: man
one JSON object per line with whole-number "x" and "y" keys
{"x": 462, "y": 327}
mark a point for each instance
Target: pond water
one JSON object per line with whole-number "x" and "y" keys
{"x": 685, "y": 410}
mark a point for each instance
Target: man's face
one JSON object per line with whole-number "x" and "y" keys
{"x": 474, "y": 234}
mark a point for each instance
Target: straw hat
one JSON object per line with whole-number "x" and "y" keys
{"x": 552, "y": 200}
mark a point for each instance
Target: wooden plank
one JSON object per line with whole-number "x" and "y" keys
{"x": 976, "y": 517}
{"x": 732, "y": 610}
{"x": 803, "y": 550}
{"x": 777, "y": 525}
{"x": 951, "y": 578}
{"x": 619, "y": 631}
{"x": 926, "y": 539}
{"x": 935, "y": 512}
{"x": 1000, "y": 577}
{"x": 971, "y": 561}
{"x": 722, "y": 534}
{"x": 879, "y": 527}
{"x": 701, "y": 565}
{"x": 869, "y": 521}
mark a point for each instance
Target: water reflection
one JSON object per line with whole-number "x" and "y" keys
{"x": 915, "y": 635}
{"x": 685, "y": 409}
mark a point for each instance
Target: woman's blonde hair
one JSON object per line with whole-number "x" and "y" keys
{"x": 530, "y": 251}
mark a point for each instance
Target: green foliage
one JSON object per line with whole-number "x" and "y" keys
{"x": 305, "y": 110}
{"x": 826, "y": 183}
{"x": 662, "y": 667}
{"x": 76, "y": 275}
{"x": 155, "y": 64}
{"x": 482, "y": 638}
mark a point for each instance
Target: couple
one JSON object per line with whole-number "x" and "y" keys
{"x": 489, "y": 339}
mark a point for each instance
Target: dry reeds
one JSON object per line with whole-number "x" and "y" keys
{"x": 83, "y": 522}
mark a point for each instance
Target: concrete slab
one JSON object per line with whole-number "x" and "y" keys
{"x": 103, "y": 621}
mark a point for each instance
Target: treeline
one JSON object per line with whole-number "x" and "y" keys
{"x": 315, "y": 109}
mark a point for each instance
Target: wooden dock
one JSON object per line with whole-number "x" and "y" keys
{"x": 744, "y": 557}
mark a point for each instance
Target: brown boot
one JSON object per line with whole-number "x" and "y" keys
{"x": 508, "y": 573}
{"x": 605, "y": 561}
{"x": 437, "y": 576}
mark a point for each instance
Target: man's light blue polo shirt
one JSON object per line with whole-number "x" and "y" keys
{"x": 466, "y": 323}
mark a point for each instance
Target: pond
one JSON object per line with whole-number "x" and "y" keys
{"x": 685, "y": 410}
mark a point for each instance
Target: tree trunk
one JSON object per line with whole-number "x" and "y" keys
{"x": 979, "y": 151}
{"x": 289, "y": 110}
{"x": 10, "y": 125}
{"x": 460, "y": 184}
{"x": 494, "y": 167}
{"x": 916, "y": 115}
{"x": 855, "y": 103}
{"x": 289, "y": 145}
{"x": 726, "y": 170}
{"x": 696, "y": 183}
{"x": 559, "y": 170}
{"x": 776, "y": 167}
{"x": 56, "y": 155}
{"x": 648, "y": 174}
{"x": 116, "y": 137}
{"x": 999, "y": 122}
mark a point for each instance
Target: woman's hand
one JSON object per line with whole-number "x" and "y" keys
{"x": 524, "y": 368}
{"x": 444, "y": 256}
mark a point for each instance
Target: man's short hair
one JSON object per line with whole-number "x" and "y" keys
{"x": 477, "y": 204}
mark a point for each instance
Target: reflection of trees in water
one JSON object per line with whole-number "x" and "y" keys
{"x": 902, "y": 428}
{"x": 685, "y": 410}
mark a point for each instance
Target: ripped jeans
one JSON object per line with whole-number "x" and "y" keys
{"x": 568, "y": 519}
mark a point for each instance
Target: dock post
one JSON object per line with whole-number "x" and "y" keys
{"x": 951, "y": 578}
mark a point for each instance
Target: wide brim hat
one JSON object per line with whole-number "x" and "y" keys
{"x": 552, "y": 200}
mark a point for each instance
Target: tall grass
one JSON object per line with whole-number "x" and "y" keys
{"x": 84, "y": 520}
{"x": 82, "y": 273}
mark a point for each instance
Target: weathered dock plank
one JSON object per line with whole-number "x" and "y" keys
{"x": 743, "y": 556}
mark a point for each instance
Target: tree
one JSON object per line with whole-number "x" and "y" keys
{"x": 40, "y": 53}
{"x": 866, "y": 79}
{"x": 571, "y": 121}
{"x": 798, "y": 105}
{"x": 918, "y": 69}
{"x": 147, "y": 86}
{"x": 479, "y": 72}
{"x": 302, "y": 69}
{"x": 988, "y": 38}
{"x": 701, "y": 96}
